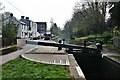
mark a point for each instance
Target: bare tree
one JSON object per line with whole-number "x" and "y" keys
{"x": 1, "y": 6}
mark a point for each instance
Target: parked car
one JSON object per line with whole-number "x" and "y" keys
{"x": 47, "y": 36}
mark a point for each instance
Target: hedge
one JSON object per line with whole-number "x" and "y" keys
{"x": 8, "y": 42}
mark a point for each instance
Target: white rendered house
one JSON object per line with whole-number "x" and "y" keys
{"x": 27, "y": 28}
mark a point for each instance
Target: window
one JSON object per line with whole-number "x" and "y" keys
{"x": 42, "y": 28}
{"x": 38, "y": 30}
{"x": 29, "y": 28}
{"x": 25, "y": 33}
{"x": 22, "y": 26}
{"x": 22, "y": 34}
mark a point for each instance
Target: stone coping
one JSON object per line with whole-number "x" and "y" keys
{"x": 75, "y": 69}
{"x": 56, "y": 62}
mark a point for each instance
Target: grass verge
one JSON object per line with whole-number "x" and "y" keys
{"x": 10, "y": 49}
{"x": 25, "y": 69}
{"x": 116, "y": 57}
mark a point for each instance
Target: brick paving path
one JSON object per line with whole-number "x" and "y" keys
{"x": 48, "y": 49}
{"x": 5, "y": 58}
{"x": 48, "y": 54}
{"x": 57, "y": 59}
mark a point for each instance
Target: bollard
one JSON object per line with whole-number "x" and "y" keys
{"x": 60, "y": 48}
{"x": 85, "y": 43}
{"x": 101, "y": 42}
{"x": 63, "y": 41}
{"x": 99, "y": 46}
{"x": 70, "y": 50}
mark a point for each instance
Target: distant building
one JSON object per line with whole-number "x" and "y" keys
{"x": 28, "y": 28}
{"x": 41, "y": 27}
{"x": 23, "y": 30}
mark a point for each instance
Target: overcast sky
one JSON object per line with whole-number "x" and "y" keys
{"x": 42, "y": 10}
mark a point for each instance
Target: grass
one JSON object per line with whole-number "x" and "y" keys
{"x": 111, "y": 47}
{"x": 24, "y": 69}
{"x": 116, "y": 57}
{"x": 86, "y": 37}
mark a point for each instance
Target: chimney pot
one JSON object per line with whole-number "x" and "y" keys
{"x": 11, "y": 14}
{"x": 27, "y": 18}
{"x": 22, "y": 17}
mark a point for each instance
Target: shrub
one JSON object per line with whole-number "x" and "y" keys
{"x": 9, "y": 33}
{"x": 8, "y": 42}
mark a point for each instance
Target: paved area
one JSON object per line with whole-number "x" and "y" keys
{"x": 48, "y": 58}
{"x": 108, "y": 52}
{"x": 47, "y": 54}
{"x": 48, "y": 49}
{"x": 5, "y": 58}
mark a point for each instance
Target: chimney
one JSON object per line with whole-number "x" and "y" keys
{"x": 27, "y": 18}
{"x": 22, "y": 17}
{"x": 11, "y": 14}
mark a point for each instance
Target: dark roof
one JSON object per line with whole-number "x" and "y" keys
{"x": 26, "y": 21}
{"x": 41, "y": 22}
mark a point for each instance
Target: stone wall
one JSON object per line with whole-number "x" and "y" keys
{"x": 116, "y": 42}
{"x": 21, "y": 42}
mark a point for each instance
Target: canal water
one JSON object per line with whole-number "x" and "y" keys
{"x": 95, "y": 67}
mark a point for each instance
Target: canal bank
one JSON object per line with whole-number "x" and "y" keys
{"x": 93, "y": 65}
{"x": 51, "y": 55}
{"x": 96, "y": 67}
